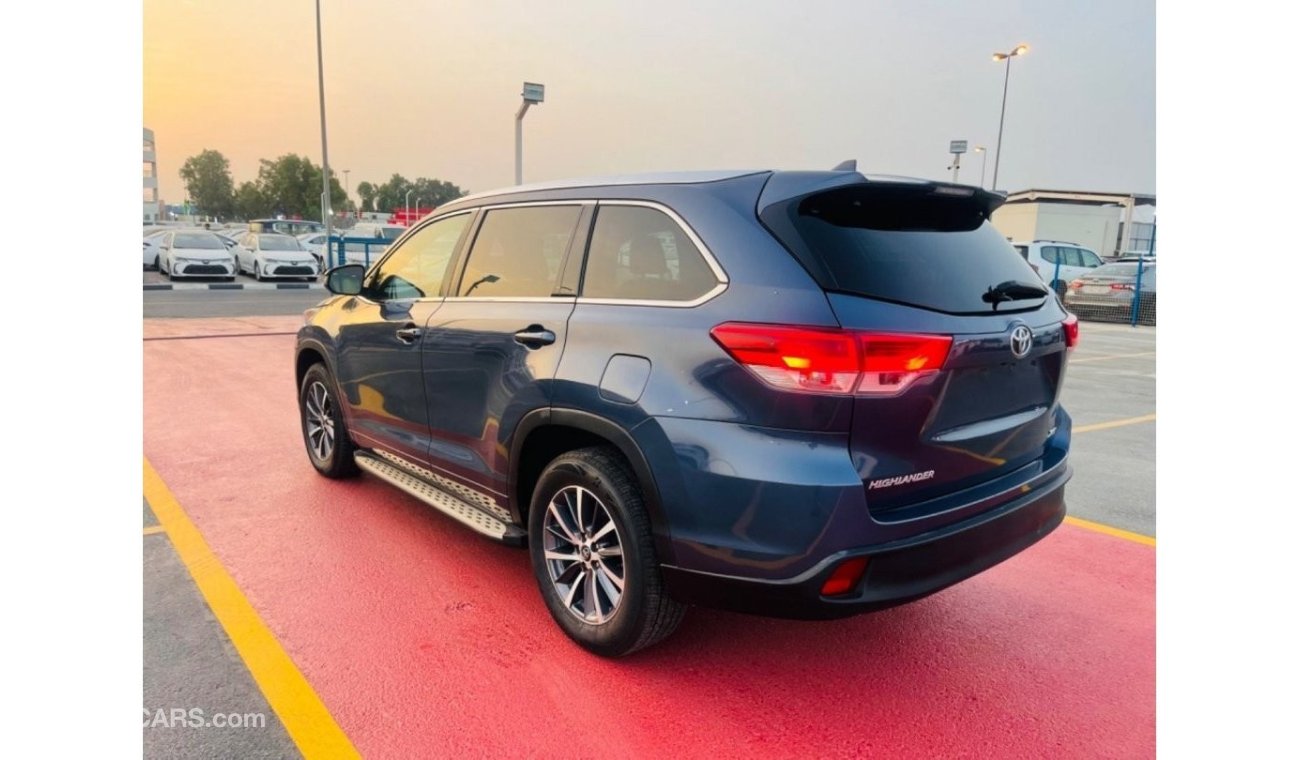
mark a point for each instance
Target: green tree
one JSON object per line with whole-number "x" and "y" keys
{"x": 435, "y": 192}
{"x": 291, "y": 185}
{"x": 208, "y": 183}
{"x": 392, "y": 194}
{"x": 367, "y": 192}
{"x": 249, "y": 202}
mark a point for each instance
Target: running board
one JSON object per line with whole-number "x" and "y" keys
{"x": 471, "y": 517}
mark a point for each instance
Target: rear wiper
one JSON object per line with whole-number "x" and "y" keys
{"x": 1012, "y": 290}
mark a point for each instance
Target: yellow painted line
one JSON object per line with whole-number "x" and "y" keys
{"x": 1108, "y": 530}
{"x": 302, "y": 712}
{"x": 1108, "y": 357}
{"x": 154, "y": 529}
{"x": 1115, "y": 423}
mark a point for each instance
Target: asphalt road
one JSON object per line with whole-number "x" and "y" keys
{"x": 1110, "y": 392}
{"x": 229, "y": 303}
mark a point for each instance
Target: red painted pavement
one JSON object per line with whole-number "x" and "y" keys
{"x": 425, "y": 640}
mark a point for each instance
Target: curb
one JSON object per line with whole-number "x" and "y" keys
{"x": 233, "y": 286}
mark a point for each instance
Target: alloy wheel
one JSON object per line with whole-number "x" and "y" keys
{"x": 319, "y": 408}
{"x": 584, "y": 554}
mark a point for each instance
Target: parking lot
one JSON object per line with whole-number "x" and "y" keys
{"x": 362, "y": 622}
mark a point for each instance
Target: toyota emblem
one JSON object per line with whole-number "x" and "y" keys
{"x": 1021, "y": 341}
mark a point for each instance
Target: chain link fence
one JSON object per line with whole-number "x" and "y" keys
{"x": 1122, "y": 291}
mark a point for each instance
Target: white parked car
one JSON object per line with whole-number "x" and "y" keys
{"x": 267, "y": 254}
{"x": 1043, "y": 255}
{"x": 194, "y": 253}
{"x": 151, "y": 251}
{"x": 314, "y": 243}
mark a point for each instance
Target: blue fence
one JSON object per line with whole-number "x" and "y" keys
{"x": 349, "y": 250}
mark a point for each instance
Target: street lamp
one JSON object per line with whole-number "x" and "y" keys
{"x": 984, "y": 161}
{"x": 418, "y": 201}
{"x": 347, "y": 189}
{"x": 533, "y": 93}
{"x": 408, "y": 205}
{"x": 324, "y": 145}
{"x": 1020, "y": 50}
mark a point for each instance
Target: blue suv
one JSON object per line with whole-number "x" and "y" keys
{"x": 796, "y": 394}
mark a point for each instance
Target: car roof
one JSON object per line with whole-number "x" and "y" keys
{"x": 780, "y": 184}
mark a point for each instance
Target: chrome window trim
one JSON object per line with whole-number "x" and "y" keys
{"x": 719, "y": 273}
{"x": 511, "y": 299}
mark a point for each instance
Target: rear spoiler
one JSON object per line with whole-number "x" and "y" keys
{"x": 783, "y": 187}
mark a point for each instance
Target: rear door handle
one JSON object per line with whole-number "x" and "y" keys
{"x": 409, "y": 334}
{"x": 535, "y": 336}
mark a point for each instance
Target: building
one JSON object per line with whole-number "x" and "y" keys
{"x": 1109, "y": 223}
{"x": 153, "y": 208}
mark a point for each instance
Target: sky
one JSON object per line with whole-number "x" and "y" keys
{"x": 430, "y": 89}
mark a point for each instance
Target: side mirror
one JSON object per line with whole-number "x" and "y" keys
{"x": 345, "y": 280}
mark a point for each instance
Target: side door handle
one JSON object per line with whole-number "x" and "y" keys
{"x": 535, "y": 336}
{"x": 409, "y": 334}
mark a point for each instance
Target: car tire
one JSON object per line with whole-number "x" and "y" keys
{"x": 257, "y": 272}
{"x": 329, "y": 447}
{"x": 157, "y": 264}
{"x": 1060, "y": 287}
{"x": 642, "y": 614}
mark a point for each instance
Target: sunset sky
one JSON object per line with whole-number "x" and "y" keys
{"x": 431, "y": 88}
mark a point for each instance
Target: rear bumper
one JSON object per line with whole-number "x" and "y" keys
{"x": 897, "y": 572}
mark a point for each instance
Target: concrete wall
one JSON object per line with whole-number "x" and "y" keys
{"x": 1093, "y": 227}
{"x": 1018, "y": 221}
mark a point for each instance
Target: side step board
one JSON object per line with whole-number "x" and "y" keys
{"x": 469, "y": 516}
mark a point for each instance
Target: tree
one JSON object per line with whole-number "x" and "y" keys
{"x": 249, "y": 202}
{"x": 208, "y": 183}
{"x": 429, "y": 192}
{"x": 367, "y": 192}
{"x": 392, "y": 194}
{"x": 291, "y": 185}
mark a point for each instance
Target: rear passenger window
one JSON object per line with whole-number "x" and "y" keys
{"x": 1073, "y": 257}
{"x": 518, "y": 252}
{"x": 640, "y": 253}
{"x": 1052, "y": 255}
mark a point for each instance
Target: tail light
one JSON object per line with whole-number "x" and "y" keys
{"x": 821, "y": 360}
{"x": 1120, "y": 286}
{"x": 1071, "y": 326}
{"x": 1076, "y": 285}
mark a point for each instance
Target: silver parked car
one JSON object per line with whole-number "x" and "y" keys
{"x": 1109, "y": 290}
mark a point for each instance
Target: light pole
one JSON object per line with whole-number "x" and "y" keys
{"x": 324, "y": 145}
{"x": 984, "y": 162}
{"x": 408, "y": 205}
{"x": 418, "y": 201}
{"x": 347, "y": 189}
{"x": 1020, "y": 50}
{"x": 533, "y": 93}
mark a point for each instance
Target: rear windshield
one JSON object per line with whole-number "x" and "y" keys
{"x": 903, "y": 244}
{"x": 269, "y": 243}
{"x": 1121, "y": 270}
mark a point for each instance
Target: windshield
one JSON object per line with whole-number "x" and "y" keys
{"x": 275, "y": 243}
{"x": 200, "y": 240}
{"x": 904, "y": 244}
